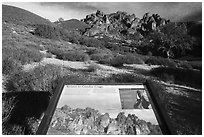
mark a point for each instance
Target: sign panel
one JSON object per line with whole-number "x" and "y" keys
{"x": 102, "y": 110}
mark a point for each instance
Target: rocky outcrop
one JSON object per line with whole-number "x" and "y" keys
{"x": 118, "y": 22}
{"x": 91, "y": 122}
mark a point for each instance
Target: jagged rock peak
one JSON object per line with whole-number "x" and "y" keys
{"x": 121, "y": 22}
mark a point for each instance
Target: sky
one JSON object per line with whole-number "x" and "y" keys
{"x": 175, "y": 11}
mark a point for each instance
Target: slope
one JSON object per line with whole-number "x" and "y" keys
{"x": 20, "y": 16}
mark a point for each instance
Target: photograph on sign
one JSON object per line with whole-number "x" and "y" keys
{"x": 104, "y": 110}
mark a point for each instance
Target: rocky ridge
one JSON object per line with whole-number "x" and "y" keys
{"x": 121, "y": 23}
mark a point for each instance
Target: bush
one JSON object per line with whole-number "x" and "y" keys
{"x": 42, "y": 78}
{"x": 101, "y": 58}
{"x": 50, "y": 32}
{"x": 10, "y": 66}
{"x": 90, "y": 42}
{"x": 73, "y": 56}
{"x": 172, "y": 41}
{"x": 133, "y": 59}
{"x": 23, "y": 55}
{"x": 118, "y": 61}
{"x": 160, "y": 61}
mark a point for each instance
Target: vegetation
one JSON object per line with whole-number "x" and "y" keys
{"x": 57, "y": 33}
{"x": 71, "y": 55}
{"x": 171, "y": 42}
{"x": 42, "y": 78}
{"x": 180, "y": 76}
{"x": 122, "y": 78}
{"x": 160, "y": 61}
{"x": 93, "y": 67}
{"x": 10, "y": 66}
{"x": 21, "y": 53}
{"x": 21, "y": 16}
{"x": 117, "y": 60}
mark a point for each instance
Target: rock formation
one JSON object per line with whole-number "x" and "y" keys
{"x": 106, "y": 24}
{"x": 91, "y": 122}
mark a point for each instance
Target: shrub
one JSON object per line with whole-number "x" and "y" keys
{"x": 73, "y": 56}
{"x": 47, "y": 31}
{"x": 10, "y": 66}
{"x": 172, "y": 41}
{"x": 118, "y": 61}
{"x": 101, "y": 58}
{"x": 42, "y": 78}
{"x": 133, "y": 59}
{"x": 93, "y": 50}
{"x": 23, "y": 55}
{"x": 70, "y": 55}
{"x": 90, "y": 42}
{"x": 160, "y": 61}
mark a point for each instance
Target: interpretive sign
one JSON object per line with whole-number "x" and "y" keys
{"x": 101, "y": 110}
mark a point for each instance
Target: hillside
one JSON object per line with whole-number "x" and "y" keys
{"x": 16, "y": 15}
{"x": 73, "y": 24}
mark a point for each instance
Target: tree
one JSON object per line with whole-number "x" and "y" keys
{"x": 171, "y": 42}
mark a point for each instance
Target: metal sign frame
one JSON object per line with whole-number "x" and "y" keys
{"x": 158, "y": 107}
